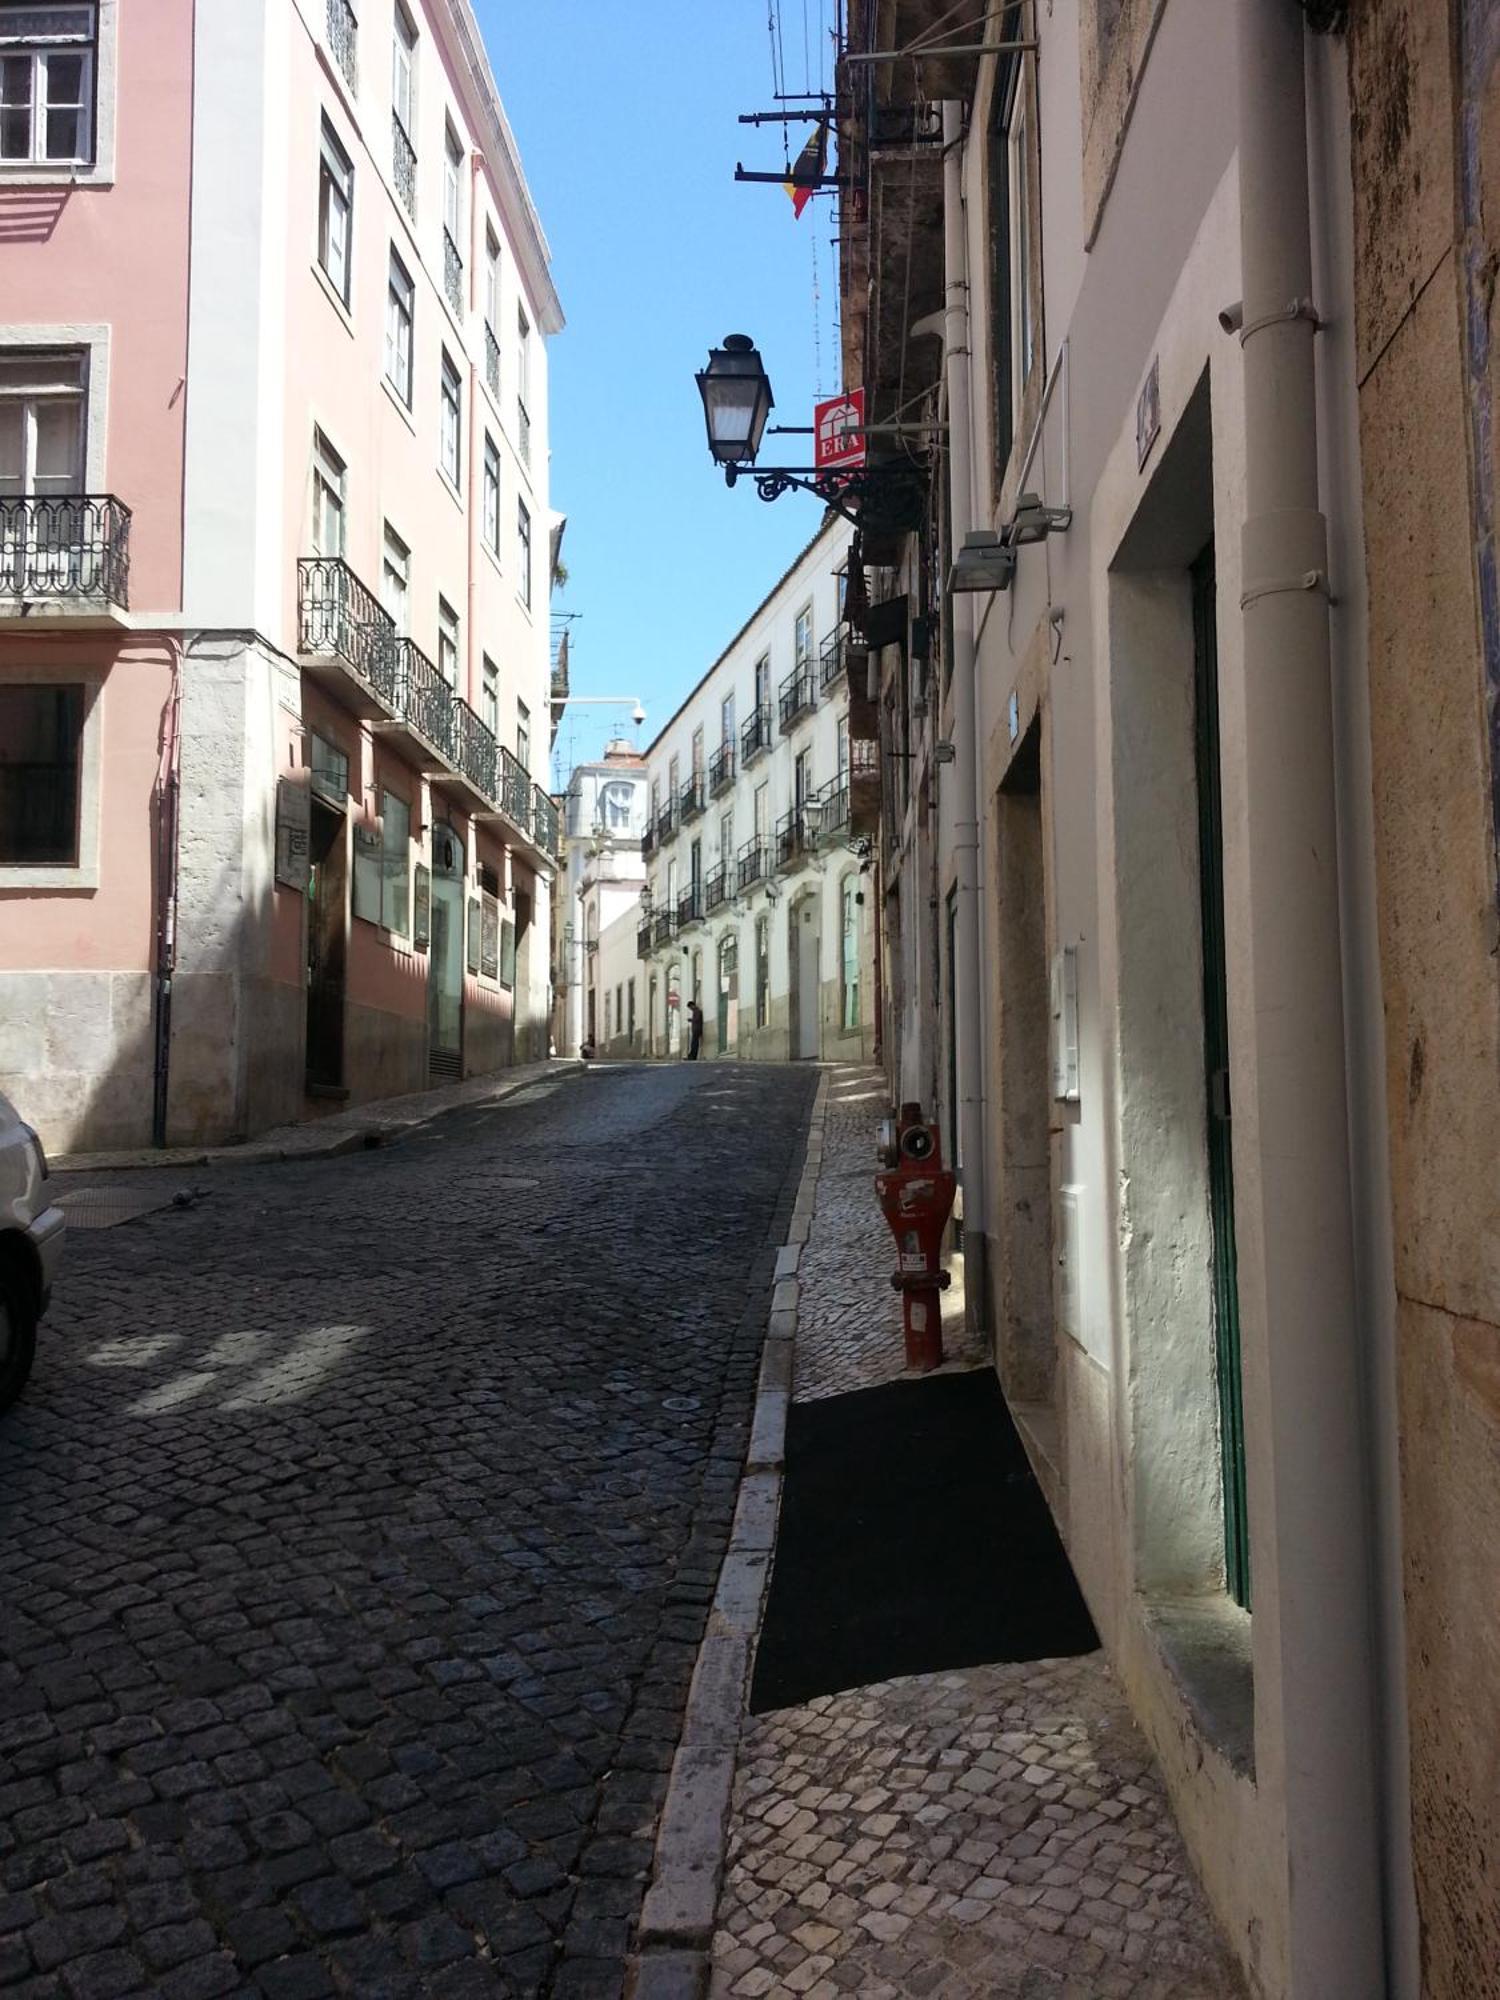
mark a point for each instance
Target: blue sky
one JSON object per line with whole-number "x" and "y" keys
{"x": 626, "y": 120}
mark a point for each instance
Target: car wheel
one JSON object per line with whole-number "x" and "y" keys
{"x": 17, "y": 1334}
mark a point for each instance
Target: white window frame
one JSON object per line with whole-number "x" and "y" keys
{"x": 523, "y": 551}
{"x": 84, "y": 874}
{"x": 29, "y": 402}
{"x": 491, "y": 281}
{"x": 489, "y": 697}
{"x": 803, "y": 637}
{"x": 400, "y": 320}
{"x": 335, "y": 177}
{"x": 1022, "y": 304}
{"x": 523, "y": 736}
{"x": 330, "y": 494}
{"x": 38, "y": 51}
{"x": 395, "y": 569}
{"x": 448, "y": 643}
{"x": 404, "y": 68}
{"x": 490, "y": 518}
{"x": 453, "y": 184}
{"x": 450, "y": 410}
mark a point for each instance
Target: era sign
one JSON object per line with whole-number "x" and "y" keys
{"x": 839, "y": 432}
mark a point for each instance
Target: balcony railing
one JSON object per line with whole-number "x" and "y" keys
{"x": 491, "y": 360}
{"x": 831, "y": 660}
{"x": 343, "y": 40}
{"x": 544, "y": 807}
{"x": 750, "y": 863}
{"x": 515, "y": 790}
{"x": 691, "y": 799}
{"x": 66, "y": 548}
{"x": 453, "y": 274}
{"x": 755, "y": 737}
{"x": 664, "y": 926}
{"x": 404, "y": 165}
{"x": 648, "y": 842}
{"x": 423, "y": 698}
{"x": 643, "y": 939}
{"x": 791, "y": 837}
{"x": 341, "y": 618}
{"x": 717, "y": 888}
{"x": 666, "y": 823}
{"x": 690, "y": 906}
{"x": 797, "y": 694}
{"x": 523, "y": 432}
{"x": 721, "y": 770}
{"x": 833, "y": 819}
{"x": 475, "y": 752}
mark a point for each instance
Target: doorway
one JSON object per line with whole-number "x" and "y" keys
{"x": 805, "y": 940}
{"x": 327, "y": 946}
{"x": 674, "y": 1010}
{"x": 445, "y": 959}
{"x": 729, "y": 992}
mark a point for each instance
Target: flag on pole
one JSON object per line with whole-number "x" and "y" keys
{"x": 807, "y": 170}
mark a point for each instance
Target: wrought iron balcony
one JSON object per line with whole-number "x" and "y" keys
{"x": 791, "y": 838}
{"x": 755, "y": 737}
{"x": 339, "y": 618}
{"x": 404, "y": 165}
{"x": 523, "y": 432}
{"x": 797, "y": 696}
{"x": 453, "y": 274}
{"x": 423, "y": 699}
{"x": 648, "y": 842}
{"x": 691, "y": 799}
{"x": 750, "y": 863}
{"x": 515, "y": 791}
{"x": 643, "y": 938}
{"x": 492, "y": 360}
{"x": 717, "y": 888}
{"x": 863, "y": 780}
{"x": 343, "y": 40}
{"x": 663, "y": 927}
{"x": 544, "y": 808}
{"x": 474, "y": 754}
{"x": 666, "y": 823}
{"x": 66, "y": 549}
{"x": 690, "y": 906}
{"x": 831, "y": 660}
{"x": 833, "y": 820}
{"x": 721, "y": 770}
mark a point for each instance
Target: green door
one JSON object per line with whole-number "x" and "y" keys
{"x": 1216, "y": 1065}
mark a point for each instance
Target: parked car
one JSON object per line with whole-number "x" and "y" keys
{"x": 31, "y": 1240}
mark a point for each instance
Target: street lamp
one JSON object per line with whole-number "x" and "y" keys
{"x": 737, "y": 399}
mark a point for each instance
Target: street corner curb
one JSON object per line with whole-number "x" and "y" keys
{"x": 768, "y": 1432}
{"x": 788, "y": 1257}
{"x": 742, "y": 1583}
{"x": 681, "y": 1903}
{"x": 665, "y": 1974}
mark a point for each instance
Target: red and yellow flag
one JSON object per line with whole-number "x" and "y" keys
{"x": 807, "y": 170}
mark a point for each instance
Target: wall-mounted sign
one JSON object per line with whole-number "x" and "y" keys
{"x": 838, "y": 432}
{"x": 507, "y": 953}
{"x": 473, "y": 935}
{"x": 1148, "y": 413}
{"x": 421, "y": 907}
{"x": 293, "y": 821}
{"x": 489, "y": 939}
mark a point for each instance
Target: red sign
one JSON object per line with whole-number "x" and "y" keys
{"x": 838, "y": 432}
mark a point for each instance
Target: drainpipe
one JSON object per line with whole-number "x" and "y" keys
{"x": 168, "y": 788}
{"x": 969, "y": 1053}
{"x": 1309, "y": 1521}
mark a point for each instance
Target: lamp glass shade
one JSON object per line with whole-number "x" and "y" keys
{"x": 737, "y": 400}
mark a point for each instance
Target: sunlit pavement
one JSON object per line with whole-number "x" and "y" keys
{"x": 359, "y": 1529}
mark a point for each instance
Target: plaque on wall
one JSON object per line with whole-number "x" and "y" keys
{"x": 489, "y": 939}
{"x": 507, "y": 953}
{"x": 473, "y": 940}
{"x": 293, "y": 821}
{"x": 421, "y": 913}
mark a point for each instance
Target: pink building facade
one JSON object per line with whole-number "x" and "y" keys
{"x": 275, "y": 686}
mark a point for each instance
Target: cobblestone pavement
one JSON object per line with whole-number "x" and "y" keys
{"x": 849, "y": 1323}
{"x": 359, "y": 1528}
{"x": 999, "y": 1831}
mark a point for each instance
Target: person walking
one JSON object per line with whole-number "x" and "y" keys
{"x": 695, "y": 1030}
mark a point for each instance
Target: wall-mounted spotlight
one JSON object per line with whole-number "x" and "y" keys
{"x": 985, "y": 562}
{"x": 1032, "y": 522}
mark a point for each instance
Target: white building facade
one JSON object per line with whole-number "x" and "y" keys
{"x": 605, "y": 814}
{"x": 759, "y": 901}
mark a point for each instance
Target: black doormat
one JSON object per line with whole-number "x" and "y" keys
{"x": 913, "y": 1537}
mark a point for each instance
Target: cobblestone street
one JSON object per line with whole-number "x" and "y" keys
{"x": 996, "y": 1831}
{"x": 360, "y": 1525}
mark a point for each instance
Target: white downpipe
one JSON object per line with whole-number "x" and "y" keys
{"x": 968, "y": 1026}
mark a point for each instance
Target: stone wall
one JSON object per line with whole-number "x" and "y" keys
{"x": 1426, "y": 174}
{"x": 76, "y": 1056}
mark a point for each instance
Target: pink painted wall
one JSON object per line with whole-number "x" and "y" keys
{"x": 119, "y": 256}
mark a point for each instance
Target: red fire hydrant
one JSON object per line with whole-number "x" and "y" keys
{"x": 917, "y": 1198}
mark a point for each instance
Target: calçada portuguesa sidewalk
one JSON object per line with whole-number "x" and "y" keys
{"x": 997, "y": 1830}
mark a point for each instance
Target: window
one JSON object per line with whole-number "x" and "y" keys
{"x": 523, "y": 735}
{"x": 763, "y": 681}
{"x": 698, "y": 751}
{"x": 400, "y": 306}
{"x": 762, "y": 971}
{"x": 655, "y": 799}
{"x": 41, "y": 424}
{"x": 489, "y": 697}
{"x": 1013, "y": 313}
{"x": 726, "y": 838}
{"x": 395, "y": 580}
{"x": 491, "y": 279}
{"x": 47, "y": 84}
{"x": 453, "y": 182}
{"x": 849, "y": 951}
{"x": 395, "y": 864}
{"x": 404, "y": 71}
{"x": 802, "y": 783}
{"x": 523, "y": 386}
{"x": 843, "y": 746}
{"x": 630, "y": 1008}
{"x": 726, "y": 722}
{"x": 41, "y": 754}
{"x": 804, "y": 636}
{"x": 450, "y": 454}
{"x": 523, "y": 549}
{"x": 335, "y": 212}
{"x": 762, "y": 816}
{"x": 328, "y": 498}
{"x": 447, "y": 642}
{"x": 674, "y": 780}
{"x": 491, "y": 495}
{"x": 1023, "y": 316}
{"x": 616, "y": 799}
